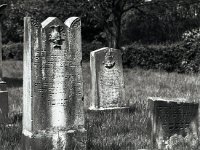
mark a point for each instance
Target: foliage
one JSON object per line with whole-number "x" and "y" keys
{"x": 12, "y": 51}
{"x": 15, "y": 50}
{"x": 191, "y": 36}
{"x": 111, "y": 22}
{"x": 170, "y": 57}
{"x": 88, "y": 47}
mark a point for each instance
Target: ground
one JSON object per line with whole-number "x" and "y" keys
{"x": 139, "y": 84}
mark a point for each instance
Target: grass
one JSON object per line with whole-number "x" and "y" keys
{"x": 139, "y": 84}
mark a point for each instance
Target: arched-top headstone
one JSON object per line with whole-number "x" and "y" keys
{"x": 107, "y": 79}
{"x": 75, "y": 49}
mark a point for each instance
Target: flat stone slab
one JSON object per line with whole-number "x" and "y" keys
{"x": 173, "y": 119}
{"x": 177, "y": 100}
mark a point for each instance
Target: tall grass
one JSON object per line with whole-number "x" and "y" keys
{"x": 139, "y": 84}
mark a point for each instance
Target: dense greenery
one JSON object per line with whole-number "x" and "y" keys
{"x": 113, "y": 22}
{"x": 121, "y": 24}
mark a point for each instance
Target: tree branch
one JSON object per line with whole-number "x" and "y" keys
{"x": 134, "y": 6}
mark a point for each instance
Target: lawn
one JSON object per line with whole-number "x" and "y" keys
{"x": 139, "y": 84}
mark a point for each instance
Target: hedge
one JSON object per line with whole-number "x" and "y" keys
{"x": 12, "y": 51}
{"x": 178, "y": 57}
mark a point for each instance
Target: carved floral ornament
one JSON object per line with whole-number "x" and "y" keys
{"x": 109, "y": 59}
{"x": 55, "y": 36}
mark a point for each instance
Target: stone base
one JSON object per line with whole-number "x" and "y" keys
{"x": 62, "y": 140}
{"x": 173, "y": 123}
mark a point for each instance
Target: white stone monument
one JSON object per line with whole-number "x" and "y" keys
{"x": 52, "y": 83}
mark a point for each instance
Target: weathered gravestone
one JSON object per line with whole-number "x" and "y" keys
{"x": 53, "y": 86}
{"x": 3, "y": 86}
{"x": 174, "y": 123}
{"x": 107, "y": 79}
{"x": 108, "y": 118}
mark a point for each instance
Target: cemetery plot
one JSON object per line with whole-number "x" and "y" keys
{"x": 173, "y": 119}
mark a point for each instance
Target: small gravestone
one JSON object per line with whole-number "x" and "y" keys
{"x": 108, "y": 118}
{"x": 3, "y": 86}
{"x": 107, "y": 79}
{"x": 174, "y": 123}
{"x": 52, "y": 86}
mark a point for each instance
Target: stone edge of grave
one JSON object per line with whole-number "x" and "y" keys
{"x": 168, "y": 100}
{"x": 110, "y": 108}
{"x": 49, "y": 133}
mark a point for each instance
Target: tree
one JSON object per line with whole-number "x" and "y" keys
{"x": 110, "y": 13}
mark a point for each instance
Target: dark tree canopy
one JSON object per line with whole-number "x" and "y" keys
{"x": 112, "y": 22}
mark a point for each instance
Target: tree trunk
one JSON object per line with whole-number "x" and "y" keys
{"x": 114, "y": 33}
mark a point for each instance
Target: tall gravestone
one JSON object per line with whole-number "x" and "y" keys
{"x": 52, "y": 86}
{"x": 108, "y": 115}
{"x": 3, "y": 86}
{"x": 174, "y": 123}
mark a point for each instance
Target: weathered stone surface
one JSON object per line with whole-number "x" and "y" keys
{"x": 173, "y": 122}
{"x": 3, "y": 87}
{"x": 52, "y": 87}
{"x": 75, "y": 50}
{"x": 107, "y": 79}
{"x": 32, "y": 46}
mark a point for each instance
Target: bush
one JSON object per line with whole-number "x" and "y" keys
{"x": 179, "y": 57}
{"x": 12, "y": 51}
{"x": 15, "y": 50}
{"x": 88, "y": 47}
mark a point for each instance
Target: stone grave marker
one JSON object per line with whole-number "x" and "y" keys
{"x": 107, "y": 79}
{"x": 174, "y": 122}
{"x": 52, "y": 86}
{"x": 109, "y": 116}
{"x": 3, "y": 87}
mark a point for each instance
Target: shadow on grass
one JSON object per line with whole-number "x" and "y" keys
{"x": 13, "y": 82}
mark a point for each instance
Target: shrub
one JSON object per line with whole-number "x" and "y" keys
{"x": 88, "y": 47}
{"x": 179, "y": 56}
{"x": 12, "y": 51}
{"x": 15, "y": 50}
